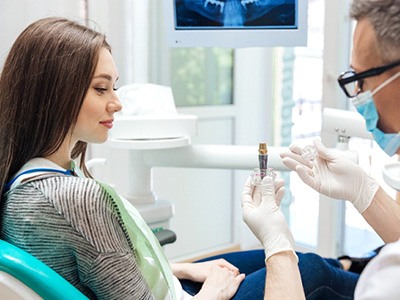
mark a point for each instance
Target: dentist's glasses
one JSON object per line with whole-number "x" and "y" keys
{"x": 352, "y": 82}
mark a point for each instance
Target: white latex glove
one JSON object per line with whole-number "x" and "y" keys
{"x": 332, "y": 174}
{"x": 264, "y": 217}
{"x": 279, "y": 191}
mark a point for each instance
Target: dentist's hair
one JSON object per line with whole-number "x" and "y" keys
{"x": 384, "y": 16}
{"x": 42, "y": 87}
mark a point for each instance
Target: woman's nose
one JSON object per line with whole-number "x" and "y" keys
{"x": 114, "y": 105}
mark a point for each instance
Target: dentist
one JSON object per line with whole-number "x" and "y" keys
{"x": 373, "y": 83}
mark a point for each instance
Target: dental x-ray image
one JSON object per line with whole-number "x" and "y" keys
{"x": 197, "y": 14}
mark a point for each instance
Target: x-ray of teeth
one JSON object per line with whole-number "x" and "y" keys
{"x": 235, "y": 13}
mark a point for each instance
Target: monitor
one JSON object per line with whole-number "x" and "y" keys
{"x": 236, "y": 23}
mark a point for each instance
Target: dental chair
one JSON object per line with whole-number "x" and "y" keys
{"x": 23, "y": 276}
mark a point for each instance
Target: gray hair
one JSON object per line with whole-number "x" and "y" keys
{"x": 384, "y": 16}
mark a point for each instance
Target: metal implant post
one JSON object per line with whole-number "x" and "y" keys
{"x": 263, "y": 159}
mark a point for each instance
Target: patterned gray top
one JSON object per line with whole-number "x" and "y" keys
{"x": 73, "y": 226}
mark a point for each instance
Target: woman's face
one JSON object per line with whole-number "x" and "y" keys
{"x": 96, "y": 116}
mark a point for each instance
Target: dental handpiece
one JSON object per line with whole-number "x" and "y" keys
{"x": 263, "y": 159}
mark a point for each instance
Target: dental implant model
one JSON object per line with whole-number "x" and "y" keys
{"x": 263, "y": 159}
{"x": 262, "y": 171}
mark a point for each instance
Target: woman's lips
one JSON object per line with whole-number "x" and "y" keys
{"x": 108, "y": 123}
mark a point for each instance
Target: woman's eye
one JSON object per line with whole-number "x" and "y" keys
{"x": 100, "y": 90}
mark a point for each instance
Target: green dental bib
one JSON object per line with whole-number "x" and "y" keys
{"x": 149, "y": 254}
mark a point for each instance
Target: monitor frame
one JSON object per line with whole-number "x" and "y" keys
{"x": 227, "y": 37}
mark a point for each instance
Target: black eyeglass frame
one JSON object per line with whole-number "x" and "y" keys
{"x": 358, "y": 76}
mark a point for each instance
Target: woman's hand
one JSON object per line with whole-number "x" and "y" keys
{"x": 220, "y": 284}
{"x": 199, "y": 272}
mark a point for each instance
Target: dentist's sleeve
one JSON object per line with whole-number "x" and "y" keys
{"x": 381, "y": 277}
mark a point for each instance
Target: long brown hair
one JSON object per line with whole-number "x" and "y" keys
{"x": 42, "y": 87}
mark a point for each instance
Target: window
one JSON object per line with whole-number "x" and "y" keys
{"x": 301, "y": 94}
{"x": 202, "y": 76}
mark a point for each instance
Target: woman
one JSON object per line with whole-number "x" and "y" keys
{"x": 57, "y": 93}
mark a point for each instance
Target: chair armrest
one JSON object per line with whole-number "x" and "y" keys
{"x": 165, "y": 236}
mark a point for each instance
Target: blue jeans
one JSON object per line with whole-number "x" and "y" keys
{"x": 322, "y": 278}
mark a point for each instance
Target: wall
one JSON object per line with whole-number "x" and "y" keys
{"x": 17, "y": 14}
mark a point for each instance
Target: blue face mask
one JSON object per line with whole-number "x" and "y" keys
{"x": 364, "y": 103}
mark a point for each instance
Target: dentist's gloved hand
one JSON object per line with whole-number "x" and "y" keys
{"x": 332, "y": 174}
{"x": 261, "y": 213}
